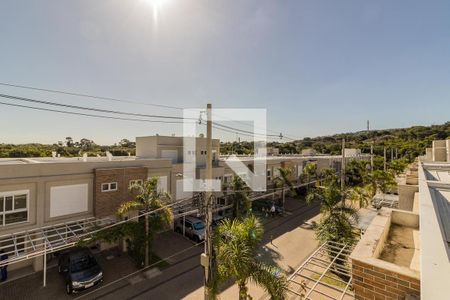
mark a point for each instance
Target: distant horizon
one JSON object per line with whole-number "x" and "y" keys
{"x": 133, "y": 139}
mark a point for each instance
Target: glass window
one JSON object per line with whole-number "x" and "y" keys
{"x": 20, "y": 202}
{"x": 16, "y": 217}
{"x": 13, "y": 208}
{"x": 109, "y": 187}
{"x": 8, "y": 203}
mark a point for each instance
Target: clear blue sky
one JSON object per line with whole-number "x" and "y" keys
{"x": 319, "y": 67}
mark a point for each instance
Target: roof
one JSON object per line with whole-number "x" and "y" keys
{"x": 434, "y": 189}
{"x": 51, "y": 160}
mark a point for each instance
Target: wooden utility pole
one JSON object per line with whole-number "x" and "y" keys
{"x": 371, "y": 146}
{"x": 343, "y": 166}
{"x": 208, "y": 255}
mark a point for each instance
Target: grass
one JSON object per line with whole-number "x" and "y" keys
{"x": 334, "y": 280}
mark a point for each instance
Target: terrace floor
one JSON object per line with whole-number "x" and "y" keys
{"x": 402, "y": 247}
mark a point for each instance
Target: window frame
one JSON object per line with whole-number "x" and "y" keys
{"x": 109, "y": 187}
{"x": 4, "y": 213}
{"x": 134, "y": 181}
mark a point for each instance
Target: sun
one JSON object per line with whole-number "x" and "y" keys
{"x": 156, "y": 6}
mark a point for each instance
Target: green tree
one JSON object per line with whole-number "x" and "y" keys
{"x": 335, "y": 224}
{"x": 236, "y": 244}
{"x": 148, "y": 198}
{"x": 242, "y": 204}
{"x": 361, "y": 196}
{"x": 379, "y": 181}
{"x": 283, "y": 181}
{"x": 398, "y": 166}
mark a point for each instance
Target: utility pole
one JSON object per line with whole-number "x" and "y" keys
{"x": 343, "y": 166}
{"x": 371, "y": 146}
{"x": 207, "y": 257}
{"x": 385, "y": 166}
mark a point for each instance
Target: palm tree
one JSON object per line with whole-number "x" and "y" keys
{"x": 310, "y": 171}
{"x": 361, "y": 196}
{"x": 236, "y": 243}
{"x": 149, "y": 198}
{"x": 242, "y": 204}
{"x": 284, "y": 180}
{"x": 379, "y": 181}
{"x": 336, "y": 222}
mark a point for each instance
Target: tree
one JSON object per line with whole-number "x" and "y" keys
{"x": 361, "y": 196}
{"x": 86, "y": 144}
{"x": 398, "y": 166}
{"x": 310, "y": 171}
{"x": 379, "y": 181}
{"x": 127, "y": 143}
{"x": 336, "y": 222}
{"x": 242, "y": 204}
{"x": 149, "y": 198}
{"x": 236, "y": 243}
{"x": 284, "y": 180}
{"x": 69, "y": 141}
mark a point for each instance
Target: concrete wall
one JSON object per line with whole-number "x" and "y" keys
{"x": 440, "y": 150}
{"x": 374, "y": 278}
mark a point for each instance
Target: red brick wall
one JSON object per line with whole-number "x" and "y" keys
{"x": 107, "y": 203}
{"x": 370, "y": 282}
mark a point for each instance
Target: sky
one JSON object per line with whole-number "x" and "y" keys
{"x": 318, "y": 67}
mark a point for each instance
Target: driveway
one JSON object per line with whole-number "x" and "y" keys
{"x": 114, "y": 264}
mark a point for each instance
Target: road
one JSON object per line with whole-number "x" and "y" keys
{"x": 288, "y": 241}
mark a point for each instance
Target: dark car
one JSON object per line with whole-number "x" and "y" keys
{"x": 80, "y": 269}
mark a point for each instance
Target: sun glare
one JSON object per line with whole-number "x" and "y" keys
{"x": 156, "y": 6}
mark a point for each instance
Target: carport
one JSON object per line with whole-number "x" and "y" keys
{"x": 24, "y": 245}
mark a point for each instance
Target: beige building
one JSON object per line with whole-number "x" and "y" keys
{"x": 40, "y": 192}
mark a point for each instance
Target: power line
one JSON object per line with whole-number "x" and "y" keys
{"x": 90, "y": 115}
{"x": 87, "y": 95}
{"x": 90, "y": 108}
{"x": 223, "y": 127}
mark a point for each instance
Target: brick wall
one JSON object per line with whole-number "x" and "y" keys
{"x": 371, "y": 282}
{"x": 107, "y": 203}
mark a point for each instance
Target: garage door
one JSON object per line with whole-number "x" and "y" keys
{"x": 68, "y": 199}
{"x": 171, "y": 154}
{"x": 162, "y": 184}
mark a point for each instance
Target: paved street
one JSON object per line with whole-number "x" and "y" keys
{"x": 293, "y": 241}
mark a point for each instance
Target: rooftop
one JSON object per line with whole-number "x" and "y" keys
{"x": 434, "y": 184}
{"x": 49, "y": 160}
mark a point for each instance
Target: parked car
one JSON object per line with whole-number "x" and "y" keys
{"x": 193, "y": 228}
{"x": 80, "y": 269}
{"x": 217, "y": 219}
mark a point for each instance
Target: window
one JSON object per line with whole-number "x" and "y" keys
{"x": 269, "y": 174}
{"x": 13, "y": 207}
{"x": 135, "y": 182}
{"x": 227, "y": 178}
{"x": 109, "y": 187}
